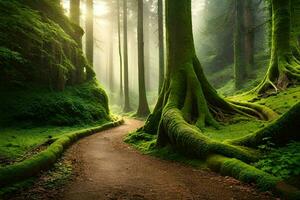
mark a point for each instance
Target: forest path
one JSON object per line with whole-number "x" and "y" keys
{"x": 107, "y": 168}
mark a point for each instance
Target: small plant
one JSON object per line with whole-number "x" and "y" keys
{"x": 283, "y": 162}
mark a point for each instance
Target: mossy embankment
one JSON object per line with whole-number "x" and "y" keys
{"x": 259, "y": 172}
{"x": 49, "y": 95}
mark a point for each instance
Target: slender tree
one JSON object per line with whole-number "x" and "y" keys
{"x": 147, "y": 26}
{"x": 240, "y": 70}
{"x": 187, "y": 102}
{"x": 90, "y": 31}
{"x": 143, "y": 108}
{"x": 111, "y": 51}
{"x": 249, "y": 34}
{"x": 78, "y": 75}
{"x": 75, "y": 11}
{"x": 120, "y": 48}
{"x": 125, "y": 46}
{"x": 161, "y": 44}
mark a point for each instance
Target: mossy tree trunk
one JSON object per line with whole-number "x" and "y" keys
{"x": 143, "y": 108}
{"x": 127, "y": 107}
{"x": 161, "y": 44}
{"x": 284, "y": 66}
{"x": 240, "y": 69}
{"x": 188, "y": 102}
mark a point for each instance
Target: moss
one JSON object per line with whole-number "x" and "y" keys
{"x": 44, "y": 42}
{"x": 279, "y": 132}
{"x": 85, "y": 103}
{"x": 45, "y": 159}
{"x": 242, "y": 171}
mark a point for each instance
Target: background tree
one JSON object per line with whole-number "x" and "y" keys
{"x": 143, "y": 108}
{"x": 284, "y": 64}
{"x": 90, "y": 31}
{"x": 240, "y": 70}
{"x": 161, "y": 43}
{"x": 120, "y": 49}
{"x": 125, "y": 46}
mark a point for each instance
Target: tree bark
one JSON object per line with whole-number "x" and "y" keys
{"x": 120, "y": 49}
{"x": 240, "y": 70}
{"x": 143, "y": 108}
{"x": 249, "y": 34}
{"x": 125, "y": 46}
{"x": 161, "y": 44}
{"x": 111, "y": 53}
{"x": 90, "y": 31}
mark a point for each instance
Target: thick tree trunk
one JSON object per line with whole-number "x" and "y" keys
{"x": 240, "y": 70}
{"x": 249, "y": 34}
{"x": 143, "y": 108}
{"x": 120, "y": 49}
{"x": 284, "y": 67}
{"x": 125, "y": 46}
{"x": 161, "y": 44}
{"x": 188, "y": 102}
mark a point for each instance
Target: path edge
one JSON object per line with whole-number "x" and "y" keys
{"x": 48, "y": 157}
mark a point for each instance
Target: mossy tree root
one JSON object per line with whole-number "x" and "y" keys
{"x": 187, "y": 105}
{"x": 45, "y": 159}
{"x": 278, "y": 132}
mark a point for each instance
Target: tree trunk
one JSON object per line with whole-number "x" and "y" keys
{"x": 89, "y": 49}
{"x": 284, "y": 67}
{"x": 120, "y": 49}
{"x": 188, "y": 102}
{"x": 111, "y": 53}
{"x": 75, "y": 18}
{"x": 90, "y": 31}
{"x": 161, "y": 44}
{"x": 125, "y": 46}
{"x": 146, "y": 23}
{"x": 75, "y": 11}
{"x": 240, "y": 70}
{"x": 249, "y": 34}
{"x": 143, "y": 108}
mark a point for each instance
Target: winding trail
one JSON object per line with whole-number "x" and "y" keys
{"x": 109, "y": 169}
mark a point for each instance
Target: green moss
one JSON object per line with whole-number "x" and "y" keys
{"x": 146, "y": 143}
{"x": 76, "y": 105}
{"x": 45, "y": 159}
{"x": 242, "y": 171}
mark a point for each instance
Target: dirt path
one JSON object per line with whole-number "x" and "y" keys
{"x": 109, "y": 169}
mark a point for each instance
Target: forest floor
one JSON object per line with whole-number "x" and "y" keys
{"x": 104, "y": 167}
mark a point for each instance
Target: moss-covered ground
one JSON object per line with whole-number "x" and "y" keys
{"x": 236, "y": 127}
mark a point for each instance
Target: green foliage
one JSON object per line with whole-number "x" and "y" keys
{"x": 282, "y": 162}
{"x": 85, "y": 103}
{"x": 47, "y": 44}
